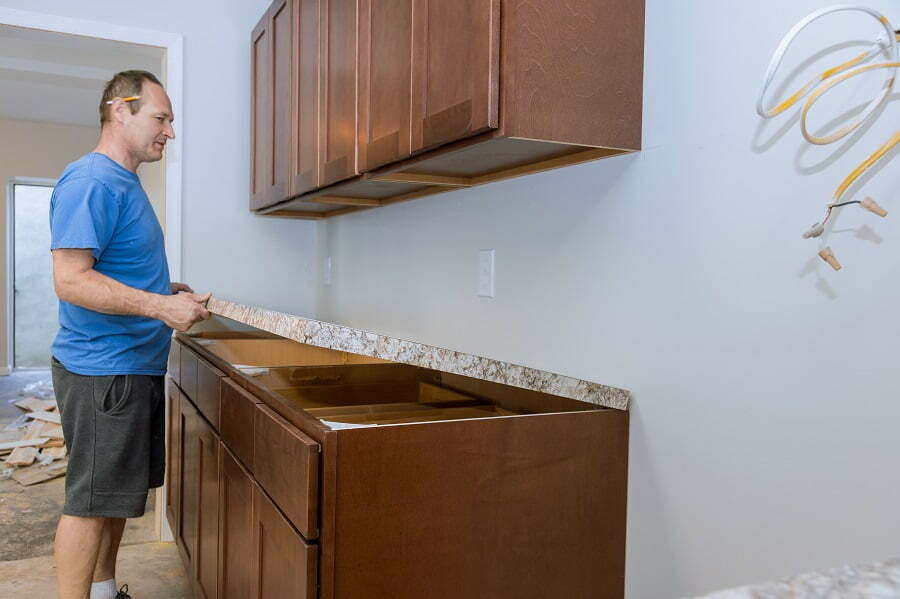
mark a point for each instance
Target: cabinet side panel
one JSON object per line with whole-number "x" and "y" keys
{"x": 525, "y": 506}
{"x": 573, "y": 71}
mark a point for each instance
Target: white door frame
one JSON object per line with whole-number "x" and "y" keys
{"x": 11, "y": 262}
{"x": 173, "y": 44}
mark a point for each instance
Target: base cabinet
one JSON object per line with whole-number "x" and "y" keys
{"x": 364, "y": 479}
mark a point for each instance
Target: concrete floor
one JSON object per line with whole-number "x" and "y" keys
{"x": 28, "y": 517}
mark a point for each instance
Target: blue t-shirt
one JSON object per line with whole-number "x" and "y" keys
{"x": 100, "y": 205}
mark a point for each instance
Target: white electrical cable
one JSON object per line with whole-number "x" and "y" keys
{"x": 885, "y": 42}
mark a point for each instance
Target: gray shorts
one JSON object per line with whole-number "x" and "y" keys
{"x": 114, "y": 429}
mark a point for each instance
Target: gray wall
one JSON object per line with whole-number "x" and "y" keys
{"x": 764, "y": 429}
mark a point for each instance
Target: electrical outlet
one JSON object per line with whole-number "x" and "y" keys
{"x": 326, "y": 272}
{"x": 486, "y": 273}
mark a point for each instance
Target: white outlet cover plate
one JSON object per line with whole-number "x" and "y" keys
{"x": 485, "y": 273}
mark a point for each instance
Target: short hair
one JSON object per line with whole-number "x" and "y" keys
{"x": 123, "y": 85}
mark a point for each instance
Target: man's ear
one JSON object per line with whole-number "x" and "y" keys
{"x": 117, "y": 110}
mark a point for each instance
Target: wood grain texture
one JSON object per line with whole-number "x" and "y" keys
{"x": 238, "y": 410}
{"x": 455, "y": 70}
{"x": 525, "y": 507}
{"x": 285, "y": 565}
{"x": 305, "y": 97}
{"x": 236, "y": 490}
{"x": 208, "y": 397}
{"x": 286, "y": 465}
{"x": 282, "y": 47}
{"x": 261, "y": 114}
{"x": 573, "y": 71}
{"x": 385, "y": 73}
{"x": 173, "y": 456}
{"x": 337, "y": 88}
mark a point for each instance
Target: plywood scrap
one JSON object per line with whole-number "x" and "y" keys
{"x": 10, "y": 445}
{"x": 53, "y": 453}
{"x": 53, "y": 443}
{"x": 22, "y": 456}
{"x": 39, "y": 473}
{"x": 34, "y": 404}
{"x": 51, "y": 430}
{"x": 46, "y": 416}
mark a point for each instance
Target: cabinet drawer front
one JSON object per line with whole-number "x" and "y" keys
{"x": 286, "y": 465}
{"x": 285, "y": 565}
{"x": 189, "y": 365}
{"x": 175, "y": 361}
{"x": 238, "y": 410}
{"x": 208, "y": 396}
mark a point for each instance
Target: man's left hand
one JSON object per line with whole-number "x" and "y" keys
{"x": 176, "y": 287}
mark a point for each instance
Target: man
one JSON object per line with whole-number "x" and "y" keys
{"x": 117, "y": 310}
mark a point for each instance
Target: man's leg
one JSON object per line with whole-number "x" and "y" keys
{"x": 76, "y": 548}
{"x": 109, "y": 549}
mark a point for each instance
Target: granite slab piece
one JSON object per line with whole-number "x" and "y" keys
{"x": 865, "y": 581}
{"x": 367, "y": 343}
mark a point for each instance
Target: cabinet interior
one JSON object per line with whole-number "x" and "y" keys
{"x": 351, "y": 389}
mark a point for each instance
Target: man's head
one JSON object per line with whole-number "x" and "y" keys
{"x": 142, "y": 126}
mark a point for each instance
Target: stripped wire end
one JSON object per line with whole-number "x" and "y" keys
{"x": 814, "y": 231}
{"x": 872, "y": 206}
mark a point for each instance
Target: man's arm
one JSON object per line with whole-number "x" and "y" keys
{"x": 78, "y": 283}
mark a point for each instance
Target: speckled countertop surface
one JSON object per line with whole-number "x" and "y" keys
{"x": 367, "y": 343}
{"x": 867, "y": 581}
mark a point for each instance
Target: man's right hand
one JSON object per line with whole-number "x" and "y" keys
{"x": 182, "y": 310}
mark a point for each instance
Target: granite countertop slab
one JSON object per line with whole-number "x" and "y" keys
{"x": 367, "y": 343}
{"x": 867, "y": 581}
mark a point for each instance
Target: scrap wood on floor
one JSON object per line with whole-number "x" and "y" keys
{"x": 33, "y": 445}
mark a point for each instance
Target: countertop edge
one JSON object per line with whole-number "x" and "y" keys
{"x": 376, "y": 345}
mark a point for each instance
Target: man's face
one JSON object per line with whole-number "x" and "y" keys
{"x": 147, "y": 131}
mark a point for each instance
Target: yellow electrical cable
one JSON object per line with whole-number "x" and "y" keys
{"x": 846, "y": 129}
{"x": 865, "y": 165}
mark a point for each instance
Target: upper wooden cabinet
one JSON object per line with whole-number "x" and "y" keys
{"x": 408, "y": 98}
{"x": 428, "y": 75}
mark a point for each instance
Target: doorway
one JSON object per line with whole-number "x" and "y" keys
{"x": 33, "y": 303}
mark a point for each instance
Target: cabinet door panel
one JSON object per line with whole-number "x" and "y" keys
{"x": 235, "y": 527}
{"x": 455, "y": 70}
{"x": 305, "y": 172}
{"x": 282, "y": 88}
{"x": 207, "y": 556}
{"x": 285, "y": 564}
{"x": 261, "y": 114}
{"x": 385, "y": 75}
{"x": 189, "y": 481}
{"x": 337, "y": 132}
{"x": 173, "y": 456}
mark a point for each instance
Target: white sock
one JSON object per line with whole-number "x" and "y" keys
{"x": 104, "y": 590}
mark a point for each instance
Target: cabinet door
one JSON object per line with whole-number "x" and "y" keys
{"x": 261, "y": 115}
{"x": 285, "y": 565}
{"x": 304, "y": 168}
{"x": 337, "y": 129}
{"x": 282, "y": 27}
{"x": 235, "y": 527}
{"x": 385, "y": 73}
{"x": 173, "y": 455}
{"x": 207, "y": 554}
{"x": 455, "y": 70}
{"x": 189, "y": 481}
